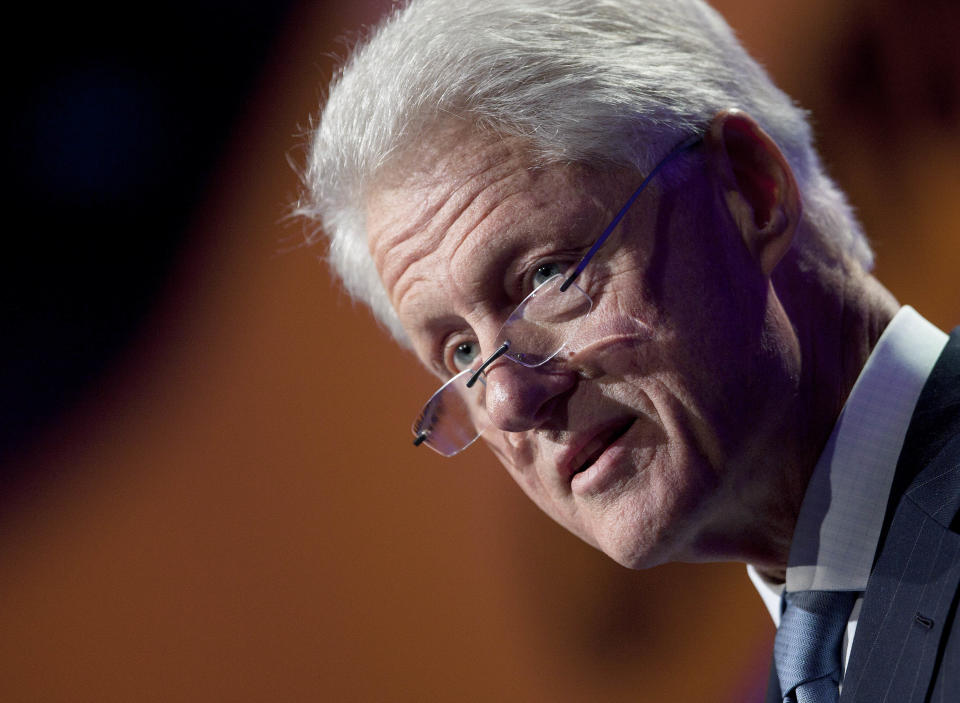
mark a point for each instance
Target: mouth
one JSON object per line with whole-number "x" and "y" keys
{"x": 593, "y": 450}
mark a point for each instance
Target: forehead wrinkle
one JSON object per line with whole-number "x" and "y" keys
{"x": 439, "y": 204}
{"x": 399, "y": 242}
{"x": 558, "y": 199}
{"x": 467, "y": 256}
{"x": 498, "y": 217}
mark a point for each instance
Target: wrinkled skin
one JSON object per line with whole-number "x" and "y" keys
{"x": 684, "y": 382}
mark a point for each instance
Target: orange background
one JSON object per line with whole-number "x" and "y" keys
{"x": 235, "y": 512}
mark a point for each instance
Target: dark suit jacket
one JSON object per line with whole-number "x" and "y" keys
{"x": 907, "y": 646}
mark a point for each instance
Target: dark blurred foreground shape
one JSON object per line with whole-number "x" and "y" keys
{"x": 116, "y": 121}
{"x": 209, "y": 490}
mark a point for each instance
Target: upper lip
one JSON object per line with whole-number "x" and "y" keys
{"x": 591, "y": 444}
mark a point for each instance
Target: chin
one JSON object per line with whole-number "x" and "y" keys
{"x": 652, "y": 527}
{"x": 636, "y": 551}
{"x": 639, "y": 560}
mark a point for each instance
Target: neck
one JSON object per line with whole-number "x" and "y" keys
{"x": 837, "y": 313}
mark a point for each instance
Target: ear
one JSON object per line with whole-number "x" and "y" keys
{"x": 756, "y": 185}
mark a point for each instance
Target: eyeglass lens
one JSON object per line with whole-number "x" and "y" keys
{"x": 537, "y": 330}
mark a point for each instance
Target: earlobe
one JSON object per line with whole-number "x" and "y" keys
{"x": 756, "y": 185}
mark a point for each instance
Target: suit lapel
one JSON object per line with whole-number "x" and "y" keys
{"x": 916, "y": 573}
{"x": 905, "y": 610}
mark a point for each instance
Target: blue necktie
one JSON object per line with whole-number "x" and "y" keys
{"x": 807, "y": 648}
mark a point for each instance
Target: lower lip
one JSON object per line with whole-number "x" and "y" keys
{"x": 604, "y": 472}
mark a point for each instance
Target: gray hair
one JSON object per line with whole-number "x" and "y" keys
{"x": 600, "y": 82}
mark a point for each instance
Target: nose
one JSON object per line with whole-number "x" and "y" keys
{"x": 520, "y": 398}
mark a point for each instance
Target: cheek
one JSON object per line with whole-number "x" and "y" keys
{"x": 517, "y": 457}
{"x": 711, "y": 334}
{"x": 661, "y": 510}
{"x": 621, "y": 285}
{"x": 616, "y": 340}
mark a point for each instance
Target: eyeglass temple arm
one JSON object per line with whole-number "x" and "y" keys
{"x": 677, "y": 150}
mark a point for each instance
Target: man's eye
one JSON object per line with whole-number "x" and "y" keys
{"x": 544, "y": 273}
{"x": 464, "y": 355}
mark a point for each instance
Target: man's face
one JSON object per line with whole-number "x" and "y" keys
{"x": 630, "y": 438}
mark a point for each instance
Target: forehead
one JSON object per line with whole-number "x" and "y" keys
{"x": 466, "y": 197}
{"x": 431, "y": 199}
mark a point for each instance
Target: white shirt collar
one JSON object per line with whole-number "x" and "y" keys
{"x": 842, "y": 512}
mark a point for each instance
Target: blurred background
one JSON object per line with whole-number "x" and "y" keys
{"x": 207, "y": 487}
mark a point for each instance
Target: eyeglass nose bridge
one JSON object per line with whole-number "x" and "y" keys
{"x": 525, "y": 360}
{"x": 501, "y": 350}
{"x": 546, "y": 320}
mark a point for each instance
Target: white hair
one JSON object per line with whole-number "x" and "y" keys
{"x": 598, "y": 82}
